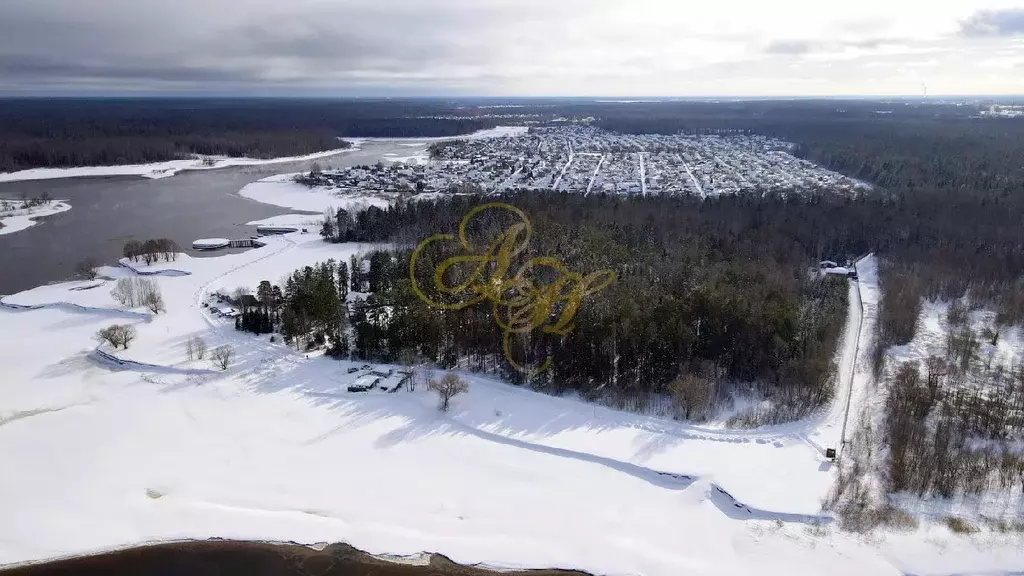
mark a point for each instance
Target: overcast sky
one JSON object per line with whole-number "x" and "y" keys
{"x": 512, "y": 47}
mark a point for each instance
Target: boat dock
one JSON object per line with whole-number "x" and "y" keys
{"x": 218, "y": 243}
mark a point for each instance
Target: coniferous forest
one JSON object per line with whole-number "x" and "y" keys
{"x": 717, "y": 292}
{"x": 84, "y": 132}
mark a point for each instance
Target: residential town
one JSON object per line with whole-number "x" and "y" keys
{"x": 585, "y": 159}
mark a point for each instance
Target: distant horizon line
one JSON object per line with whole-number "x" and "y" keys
{"x": 594, "y": 98}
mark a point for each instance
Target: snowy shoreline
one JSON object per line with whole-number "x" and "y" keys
{"x": 283, "y": 191}
{"x": 22, "y": 218}
{"x": 158, "y": 170}
{"x": 169, "y": 168}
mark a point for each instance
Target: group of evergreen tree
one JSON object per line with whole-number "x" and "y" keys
{"x": 256, "y": 320}
{"x": 313, "y": 309}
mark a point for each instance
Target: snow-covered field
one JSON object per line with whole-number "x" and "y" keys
{"x": 282, "y": 190}
{"x": 97, "y": 454}
{"x": 20, "y": 218}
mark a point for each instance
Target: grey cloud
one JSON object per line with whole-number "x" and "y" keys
{"x": 40, "y": 67}
{"x": 305, "y": 43}
{"x": 799, "y": 47}
{"x": 994, "y": 23}
{"x": 792, "y": 47}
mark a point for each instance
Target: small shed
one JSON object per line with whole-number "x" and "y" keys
{"x": 838, "y": 270}
{"x": 364, "y": 383}
{"x": 392, "y": 382}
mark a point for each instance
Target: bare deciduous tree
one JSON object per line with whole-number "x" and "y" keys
{"x": 155, "y": 302}
{"x": 200, "y": 347}
{"x": 110, "y": 335}
{"x": 167, "y": 248}
{"x": 124, "y": 292}
{"x": 132, "y": 250}
{"x": 195, "y": 348}
{"x": 957, "y": 313}
{"x": 239, "y": 292}
{"x": 118, "y": 335}
{"x": 422, "y": 374}
{"x": 134, "y": 292}
{"x": 221, "y": 356}
{"x": 447, "y": 388}
{"x": 86, "y": 269}
{"x": 128, "y": 333}
{"x": 691, "y": 395}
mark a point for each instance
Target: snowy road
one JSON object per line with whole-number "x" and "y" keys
{"x": 554, "y": 186}
{"x": 593, "y": 177}
{"x": 693, "y": 180}
{"x": 643, "y": 174}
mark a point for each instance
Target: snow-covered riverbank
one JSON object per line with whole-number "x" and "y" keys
{"x": 160, "y": 169}
{"x": 172, "y": 167}
{"x": 282, "y": 190}
{"x": 20, "y": 217}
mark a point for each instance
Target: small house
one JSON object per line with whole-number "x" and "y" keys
{"x": 248, "y": 301}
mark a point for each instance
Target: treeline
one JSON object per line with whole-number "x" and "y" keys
{"x": 80, "y": 132}
{"x": 151, "y": 250}
{"x": 82, "y": 148}
{"x": 954, "y": 242}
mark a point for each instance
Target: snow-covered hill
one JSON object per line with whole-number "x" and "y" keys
{"x": 98, "y": 454}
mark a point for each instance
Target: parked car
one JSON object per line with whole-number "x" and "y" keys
{"x": 353, "y": 369}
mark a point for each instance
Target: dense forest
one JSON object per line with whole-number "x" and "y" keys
{"x": 716, "y": 293}
{"x": 77, "y": 132}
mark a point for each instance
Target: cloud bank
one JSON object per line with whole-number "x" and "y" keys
{"x": 503, "y": 47}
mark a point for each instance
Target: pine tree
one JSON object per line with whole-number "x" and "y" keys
{"x": 342, "y": 280}
{"x": 355, "y": 274}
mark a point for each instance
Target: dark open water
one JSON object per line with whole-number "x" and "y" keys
{"x": 108, "y": 211}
